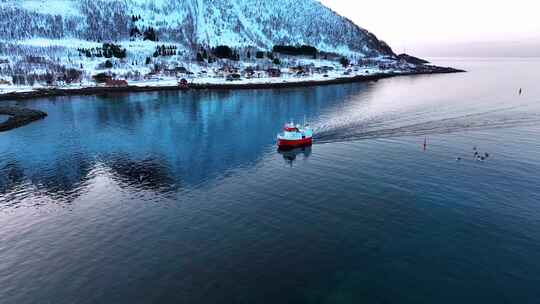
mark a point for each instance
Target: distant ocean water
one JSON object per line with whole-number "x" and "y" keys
{"x": 182, "y": 197}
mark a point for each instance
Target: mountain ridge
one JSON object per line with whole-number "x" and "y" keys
{"x": 192, "y": 23}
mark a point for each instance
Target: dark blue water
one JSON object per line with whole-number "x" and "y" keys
{"x": 3, "y": 118}
{"x": 183, "y": 198}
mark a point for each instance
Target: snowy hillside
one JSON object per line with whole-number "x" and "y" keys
{"x": 191, "y": 23}
{"x": 76, "y": 43}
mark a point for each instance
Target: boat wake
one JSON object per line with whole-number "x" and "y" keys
{"x": 402, "y": 125}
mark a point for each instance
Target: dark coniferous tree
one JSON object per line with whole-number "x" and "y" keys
{"x": 200, "y": 57}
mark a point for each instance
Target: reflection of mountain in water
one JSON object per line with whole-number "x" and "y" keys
{"x": 60, "y": 181}
{"x": 148, "y": 174}
{"x": 64, "y": 184}
{"x": 155, "y": 141}
{"x": 11, "y": 177}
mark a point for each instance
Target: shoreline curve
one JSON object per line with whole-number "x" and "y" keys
{"x": 55, "y": 92}
{"x": 19, "y": 117}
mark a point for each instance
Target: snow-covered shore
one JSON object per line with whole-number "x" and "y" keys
{"x": 168, "y": 81}
{"x": 10, "y": 92}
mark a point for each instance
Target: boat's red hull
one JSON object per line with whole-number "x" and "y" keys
{"x": 290, "y": 144}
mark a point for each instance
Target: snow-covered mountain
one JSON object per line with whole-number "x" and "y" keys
{"x": 76, "y": 43}
{"x": 190, "y": 23}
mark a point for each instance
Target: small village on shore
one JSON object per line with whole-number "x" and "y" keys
{"x": 113, "y": 66}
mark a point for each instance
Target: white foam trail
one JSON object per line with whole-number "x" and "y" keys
{"x": 396, "y": 125}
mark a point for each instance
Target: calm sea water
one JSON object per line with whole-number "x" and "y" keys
{"x": 183, "y": 198}
{"x": 3, "y": 118}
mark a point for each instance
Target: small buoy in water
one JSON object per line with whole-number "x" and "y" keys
{"x": 458, "y": 159}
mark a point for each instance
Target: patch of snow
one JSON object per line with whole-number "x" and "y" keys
{"x": 67, "y": 43}
{"x": 52, "y": 7}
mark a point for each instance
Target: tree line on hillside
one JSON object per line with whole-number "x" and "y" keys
{"x": 165, "y": 50}
{"x": 108, "y": 50}
{"x": 303, "y": 50}
{"x": 227, "y": 52}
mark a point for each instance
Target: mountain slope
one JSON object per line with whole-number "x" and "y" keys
{"x": 192, "y": 23}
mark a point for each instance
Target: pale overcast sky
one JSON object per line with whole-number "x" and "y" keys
{"x": 416, "y": 24}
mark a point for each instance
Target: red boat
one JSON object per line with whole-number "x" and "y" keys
{"x": 295, "y": 136}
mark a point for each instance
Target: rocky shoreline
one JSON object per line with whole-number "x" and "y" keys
{"x": 19, "y": 117}
{"x": 53, "y": 92}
